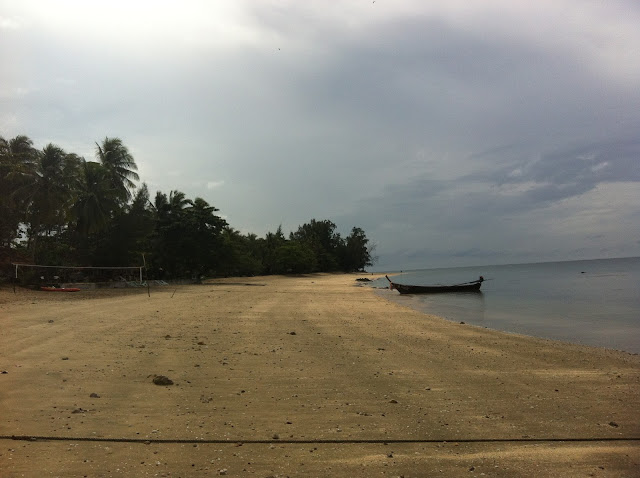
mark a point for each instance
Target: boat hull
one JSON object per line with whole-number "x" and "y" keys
{"x": 436, "y": 289}
{"x": 59, "y": 289}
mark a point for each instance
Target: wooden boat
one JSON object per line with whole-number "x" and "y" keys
{"x": 473, "y": 286}
{"x": 59, "y": 289}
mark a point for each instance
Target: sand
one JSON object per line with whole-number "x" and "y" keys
{"x": 298, "y": 376}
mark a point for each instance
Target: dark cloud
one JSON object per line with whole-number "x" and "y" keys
{"x": 451, "y": 133}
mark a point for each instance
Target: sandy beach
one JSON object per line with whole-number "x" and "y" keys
{"x": 298, "y": 376}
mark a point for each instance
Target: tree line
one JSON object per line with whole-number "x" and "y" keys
{"x": 57, "y": 208}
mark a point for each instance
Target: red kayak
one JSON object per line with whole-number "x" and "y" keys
{"x": 60, "y": 289}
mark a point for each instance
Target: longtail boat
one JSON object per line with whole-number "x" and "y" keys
{"x": 59, "y": 289}
{"x": 473, "y": 286}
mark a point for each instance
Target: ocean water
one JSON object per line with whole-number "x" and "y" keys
{"x": 592, "y": 302}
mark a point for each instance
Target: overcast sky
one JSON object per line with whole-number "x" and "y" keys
{"x": 454, "y": 133}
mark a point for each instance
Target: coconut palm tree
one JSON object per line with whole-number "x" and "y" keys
{"x": 53, "y": 188}
{"x": 96, "y": 198}
{"x": 169, "y": 244}
{"x": 19, "y": 147}
{"x": 58, "y": 175}
{"x": 18, "y": 166}
{"x": 122, "y": 168}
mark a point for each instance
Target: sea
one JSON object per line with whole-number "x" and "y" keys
{"x": 590, "y": 302}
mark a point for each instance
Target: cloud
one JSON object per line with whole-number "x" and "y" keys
{"x": 214, "y": 184}
{"x": 450, "y": 131}
{"x": 8, "y": 23}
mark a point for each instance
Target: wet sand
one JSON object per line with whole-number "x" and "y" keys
{"x": 298, "y": 376}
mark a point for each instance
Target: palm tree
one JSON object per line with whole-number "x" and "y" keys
{"x": 170, "y": 234}
{"x": 56, "y": 184}
{"x": 18, "y": 166}
{"x": 121, "y": 166}
{"x": 96, "y": 199}
{"x": 178, "y": 202}
{"x": 53, "y": 187}
{"x": 272, "y": 242}
{"x": 139, "y": 221}
{"x": 19, "y": 147}
{"x": 170, "y": 207}
{"x": 205, "y": 215}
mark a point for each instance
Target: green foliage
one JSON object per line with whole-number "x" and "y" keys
{"x": 321, "y": 238}
{"x": 187, "y": 239}
{"x": 52, "y": 185}
{"x": 270, "y": 245}
{"x": 121, "y": 167}
{"x": 356, "y": 252}
{"x": 127, "y": 237}
{"x": 295, "y": 257}
{"x": 95, "y": 199}
{"x": 18, "y": 160}
{"x": 59, "y": 209}
{"x": 239, "y": 254}
{"x": 331, "y": 252}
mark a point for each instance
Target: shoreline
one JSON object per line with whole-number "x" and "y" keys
{"x": 305, "y": 372}
{"x": 584, "y": 302}
{"x": 510, "y": 328}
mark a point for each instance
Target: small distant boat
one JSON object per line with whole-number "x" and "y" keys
{"x": 59, "y": 289}
{"x": 473, "y": 286}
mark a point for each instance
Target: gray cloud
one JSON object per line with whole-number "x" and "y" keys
{"x": 452, "y": 133}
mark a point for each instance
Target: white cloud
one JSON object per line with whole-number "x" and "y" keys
{"x": 9, "y": 23}
{"x": 211, "y": 185}
{"x": 15, "y": 92}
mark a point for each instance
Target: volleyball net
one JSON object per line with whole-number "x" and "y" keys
{"x": 35, "y": 274}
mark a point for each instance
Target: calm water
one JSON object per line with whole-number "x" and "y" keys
{"x": 595, "y": 302}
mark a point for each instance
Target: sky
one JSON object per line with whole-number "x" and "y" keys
{"x": 454, "y": 133}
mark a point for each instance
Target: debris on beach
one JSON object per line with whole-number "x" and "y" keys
{"x": 94, "y": 395}
{"x": 162, "y": 380}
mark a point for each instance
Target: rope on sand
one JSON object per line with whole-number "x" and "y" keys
{"x": 148, "y": 441}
